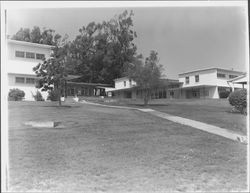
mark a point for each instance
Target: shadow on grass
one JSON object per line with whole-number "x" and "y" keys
{"x": 63, "y": 106}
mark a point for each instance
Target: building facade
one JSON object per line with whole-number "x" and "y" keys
{"x": 22, "y": 57}
{"x": 127, "y": 88}
{"x": 206, "y": 83}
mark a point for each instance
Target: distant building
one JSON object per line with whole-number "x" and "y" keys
{"x": 22, "y": 57}
{"x": 127, "y": 88}
{"x": 240, "y": 80}
{"x": 206, "y": 83}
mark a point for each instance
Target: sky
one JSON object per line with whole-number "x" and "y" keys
{"x": 186, "y": 38}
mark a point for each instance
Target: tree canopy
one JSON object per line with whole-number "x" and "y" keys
{"x": 101, "y": 51}
{"x": 146, "y": 74}
{"x": 47, "y": 36}
{"x": 53, "y": 71}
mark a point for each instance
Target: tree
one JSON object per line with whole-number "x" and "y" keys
{"x": 35, "y": 35}
{"x": 52, "y": 72}
{"x": 146, "y": 75}
{"x": 102, "y": 50}
{"x": 22, "y": 35}
{"x": 47, "y": 36}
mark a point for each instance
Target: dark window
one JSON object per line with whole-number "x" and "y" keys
{"x": 164, "y": 94}
{"x": 187, "y": 80}
{"x": 19, "y": 79}
{"x": 172, "y": 93}
{"x": 30, "y": 55}
{"x": 124, "y": 82}
{"x": 40, "y": 56}
{"x": 30, "y": 80}
{"x": 232, "y": 76}
{"x": 219, "y": 75}
{"x": 197, "y": 78}
{"x": 19, "y": 54}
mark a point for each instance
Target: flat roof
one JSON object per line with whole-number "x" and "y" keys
{"x": 89, "y": 84}
{"x": 212, "y": 68}
{"x": 29, "y": 43}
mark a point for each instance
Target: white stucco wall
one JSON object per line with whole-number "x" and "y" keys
{"x": 207, "y": 77}
{"x": 23, "y": 67}
{"x": 29, "y": 89}
{"x": 119, "y": 83}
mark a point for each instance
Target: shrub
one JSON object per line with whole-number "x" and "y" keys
{"x": 38, "y": 96}
{"x": 224, "y": 94}
{"x": 53, "y": 96}
{"x": 238, "y": 99}
{"x": 16, "y": 94}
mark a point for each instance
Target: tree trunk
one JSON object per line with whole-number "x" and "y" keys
{"x": 146, "y": 97}
{"x": 59, "y": 95}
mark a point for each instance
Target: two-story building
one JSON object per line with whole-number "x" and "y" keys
{"x": 22, "y": 57}
{"x": 206, "y": 83}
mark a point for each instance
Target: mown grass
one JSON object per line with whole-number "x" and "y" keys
{"x": 212, "y": 111}
{"x": 112, "y": 150}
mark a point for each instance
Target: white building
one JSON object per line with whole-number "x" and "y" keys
{"x": 206, "y": 83}
{"x": 22, "y": 57}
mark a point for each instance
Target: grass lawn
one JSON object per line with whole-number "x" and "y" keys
{"x": 212, "y": 111}
{"x": 111, "y": 150}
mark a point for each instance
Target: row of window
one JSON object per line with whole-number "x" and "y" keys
{"x": 124, "y": 83}
{"x": 31, "y": 55}
{"x": 197, "y": 79}
{"x": 219, "y": 75}
{"x": 25, "y": 80}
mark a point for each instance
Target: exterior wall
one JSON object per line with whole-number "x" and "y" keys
{"x": 119, "y": 83}
{"x": 29, "y": 89}
{"x": 22, "y": 67}
{"x": 207, "y": 77}
{"x": 12, "y": 47}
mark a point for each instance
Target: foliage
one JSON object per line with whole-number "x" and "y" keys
{"x": 53, "y": 96}
{"x": 147, "y": 75}
{"x": 16, "y": 94}
{"x": 238, "y": 99}
{"x": 224, "y": 94}
{"x": 47, "y": 36}
{"x": 101, "y": 51}
{"x": 38, "y": 96}
{"x": 54, "y": 70}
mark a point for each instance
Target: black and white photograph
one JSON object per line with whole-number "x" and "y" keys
{"x": 123, "y": 96}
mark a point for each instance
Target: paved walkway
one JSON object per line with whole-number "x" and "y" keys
{"x": 189, "y": 122}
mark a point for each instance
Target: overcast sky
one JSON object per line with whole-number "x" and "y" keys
{"x": 186, "y": 38}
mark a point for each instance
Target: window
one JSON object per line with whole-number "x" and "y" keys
{"x": 187, "y": 80}
{"x": 19, "y": 79}
{"x": 197, "y": 78}
{"x": 219, "y": 75}
{"x": 30, "y": 55}
{"x": 30, "y": 80}
{"x": 40, "y": 56}
{"x": 130, "y": 82}
{"x": 171, "y": 93}
{"x": 19, "y": 54}
{"x": 164, "y": 94}
{"x": 232, "y": 76}
{"x": 124, "y": 83}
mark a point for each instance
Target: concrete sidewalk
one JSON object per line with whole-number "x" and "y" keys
{"x": 189, "y": 122}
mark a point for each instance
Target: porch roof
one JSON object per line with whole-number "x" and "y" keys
{"x": 88, "y": 84}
